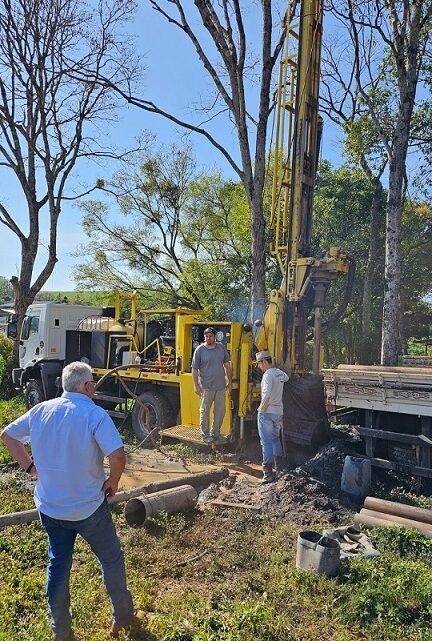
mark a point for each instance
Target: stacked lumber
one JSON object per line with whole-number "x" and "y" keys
{"x": 381, "y": 513}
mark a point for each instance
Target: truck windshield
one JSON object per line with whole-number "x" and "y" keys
{"x": 30, "y": 326}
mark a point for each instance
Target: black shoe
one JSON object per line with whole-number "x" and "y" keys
{"x": 268, "y": 475}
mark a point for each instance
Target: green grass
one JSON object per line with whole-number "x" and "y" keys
{"x": 9, "y": 411}
{"x": 221, "y": 576}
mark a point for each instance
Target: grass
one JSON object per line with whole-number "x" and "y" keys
{"x": 9, "y": 411}
{"x": 221, "y": 576}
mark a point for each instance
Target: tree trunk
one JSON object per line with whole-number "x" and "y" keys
{"x": 366, "y": 351}
{"x": 259, "y": 298}
{"x": 392, "y": 276}
{"x": 391, "y": 309}
{"x": 23, "y": 299}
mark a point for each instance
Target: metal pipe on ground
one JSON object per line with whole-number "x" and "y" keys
{"x": 198, "y": 481}
{"x": 398, "y": 509}
{"x": 395, "y": 519}
{"x": 371, "y": 522}
{"x": 175, "y": 499}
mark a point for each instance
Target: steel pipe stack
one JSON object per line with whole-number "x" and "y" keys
{"x": 381, "y": 513}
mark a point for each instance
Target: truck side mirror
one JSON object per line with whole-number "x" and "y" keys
{"x": 12, "y": 331}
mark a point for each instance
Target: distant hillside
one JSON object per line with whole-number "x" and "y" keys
{"x": 77, "y": 298}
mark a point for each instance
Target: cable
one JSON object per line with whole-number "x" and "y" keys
{"x": 115, "y": 372}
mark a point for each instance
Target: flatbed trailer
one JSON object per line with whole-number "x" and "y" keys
{"x": 391, "y": 407}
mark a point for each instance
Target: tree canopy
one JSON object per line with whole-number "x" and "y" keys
{"x": 342, "y": 216}
{"x": 177, "y": 236}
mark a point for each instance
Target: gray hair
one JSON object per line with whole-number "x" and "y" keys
{"x": 75, "y": 375}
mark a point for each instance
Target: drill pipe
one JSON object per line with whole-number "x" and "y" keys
{"x": 199, "y": 480}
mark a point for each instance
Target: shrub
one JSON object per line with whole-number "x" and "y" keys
{"x": 406, "y": 544}
{"x": 6, "y": 364}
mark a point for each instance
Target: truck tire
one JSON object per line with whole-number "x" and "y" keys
{"x": 33, "y": 393}
{"x": 151, "y": 410}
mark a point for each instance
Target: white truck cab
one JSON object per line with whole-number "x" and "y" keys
{"x": 42, "y": 346}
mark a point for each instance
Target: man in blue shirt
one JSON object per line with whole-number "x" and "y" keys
{"x": 69, "y": 437}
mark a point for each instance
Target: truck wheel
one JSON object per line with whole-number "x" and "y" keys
{"x": 33, "y": 393}
{"x": 151, "y": 410}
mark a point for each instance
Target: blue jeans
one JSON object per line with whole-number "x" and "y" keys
{"x": 269, "y": 426}
{"x": 99, "y": 532}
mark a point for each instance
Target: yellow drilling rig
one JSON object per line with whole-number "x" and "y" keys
{"x": 147, "y": 357}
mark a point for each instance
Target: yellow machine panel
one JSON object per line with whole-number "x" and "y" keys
{"x": 189, "y": 404}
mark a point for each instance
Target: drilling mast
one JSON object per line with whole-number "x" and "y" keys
{"x": 305, "y": 279}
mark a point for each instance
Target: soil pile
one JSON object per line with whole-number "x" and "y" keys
{"x": 306, "y": 495}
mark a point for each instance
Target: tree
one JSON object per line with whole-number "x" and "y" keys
{"x": 48, "y": 117}
{"x": 225, "y": 48}
{"x": 389, "y": 41}
{"x": 342, "y": 203}
{"x": 341, "y": 102}
{"x": 342, "y": 217}
{"x": 184, "y": 235}
{"x": 6, "y": 290}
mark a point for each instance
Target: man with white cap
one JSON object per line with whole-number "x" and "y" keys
{"x": 270, "y": 413}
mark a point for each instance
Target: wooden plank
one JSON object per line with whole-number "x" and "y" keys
{"x": 402, "y": 467}
{"x": 235, "y": 506}
{"x": 410, "y": 439}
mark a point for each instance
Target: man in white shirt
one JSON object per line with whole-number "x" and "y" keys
{"x": 69, "y": 437}
{"x": 270, "y": 413}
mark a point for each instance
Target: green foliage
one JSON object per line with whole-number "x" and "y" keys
{"x": 400, "y": 495}
{"x": 97, "y": 298}
{"x": 416, "y": 269}
{"x": 6, "y": 291}
{"x": 9, "y": 411}
{"x": 391, "y": 592}
{"x": 222, "y": 620}
{"x": 222, "y": 576}
{"x": 403, "y": 543}
{"x": 6, "y": 365}
{"x": 169, "y": 525}
{"x": 181, "y": 236}
{"x": 342, "y": 218}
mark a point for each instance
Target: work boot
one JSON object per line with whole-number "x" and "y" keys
{"x": 137, "y": 621}
{"x": 220, "y": 440}
{"x": 268, "y": 476}
{"x": 207, "y": 439}
{"x": 280, "y": 465}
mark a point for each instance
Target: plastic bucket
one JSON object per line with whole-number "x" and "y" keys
{"x": 356, "y": 477}
{"x": 318, "y": 553}
{"x": 175, "y": 499}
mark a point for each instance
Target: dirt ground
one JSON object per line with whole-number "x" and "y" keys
{"x": 308, "y": 494}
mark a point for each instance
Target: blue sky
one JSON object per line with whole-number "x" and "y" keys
{"x": 175, "y": 81}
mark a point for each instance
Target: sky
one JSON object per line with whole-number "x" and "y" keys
{"x": 175, "y": 80}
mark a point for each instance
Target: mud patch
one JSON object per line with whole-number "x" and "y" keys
{"x": 306, "y": 495}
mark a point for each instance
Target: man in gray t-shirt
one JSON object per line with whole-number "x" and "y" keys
{"x": 211, "y": 371}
